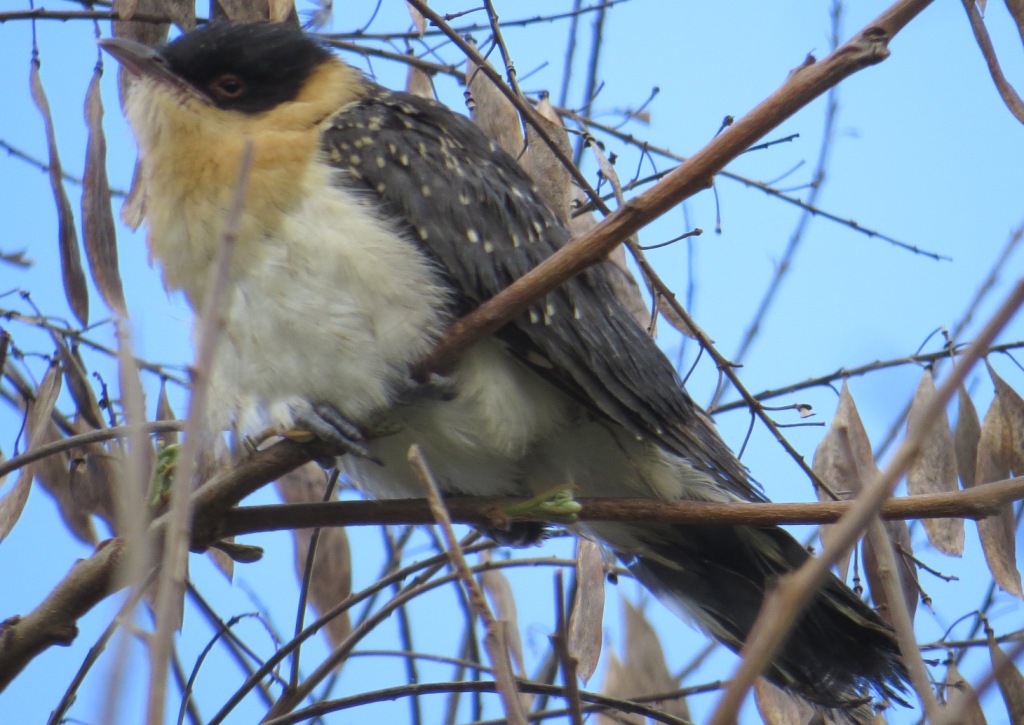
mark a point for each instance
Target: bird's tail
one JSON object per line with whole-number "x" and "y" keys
{"x": 839, "y": 651}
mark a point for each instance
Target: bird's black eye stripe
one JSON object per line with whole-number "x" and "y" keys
{"x": 246, "y": 68}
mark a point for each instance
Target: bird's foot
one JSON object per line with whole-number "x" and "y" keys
{"x": 557, "y": 505}
{"x": 322, "y": 421}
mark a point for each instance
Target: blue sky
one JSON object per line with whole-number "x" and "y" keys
{"x": 924, "y": 152}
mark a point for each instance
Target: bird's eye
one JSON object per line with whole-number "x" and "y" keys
{"x": 228, "y": 86}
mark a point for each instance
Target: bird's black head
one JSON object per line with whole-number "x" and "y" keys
{"x": 249, "y": 68}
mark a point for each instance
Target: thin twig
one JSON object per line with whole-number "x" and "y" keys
{"x": 495, "y": 638}
{"x": 499, "y": 40}
{"x": 766, "y": 187}
{"x": 405, "y": 629}
{"x": 44, "y": 14}
{"x": 795, "y": 590}
{"x": 419, "y": 586}
{"x": 802, "y": 86}
{"x": 307, "y": 576}
{"x": 1007, "y": 92}
{"x": 405, "y": 58}
{"x": 570, "y": 53}
{"x": 85, "y": 439}
{"x": 466, "y": 29}
{"x": 590, "y": 84}
{"x": 44, "y": 166}
{"x": 949, "y": 644}
{"x": 78, "y": 336}
{"x": 178, "y": 532}
{"x": 923, "y": 359}
{"x": 785, "y": 263}
{"x": 560, "y": 643}
{"x": 240, "y": 652}
{"x": 998, "y": 266}
{"x": 889, "y": 574}
{"x": 958, "y": 715}
{"x": 614, "y": 704}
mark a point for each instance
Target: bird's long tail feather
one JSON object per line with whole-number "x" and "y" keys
{"x": 839, "y": 652}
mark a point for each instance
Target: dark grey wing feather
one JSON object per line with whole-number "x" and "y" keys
{"x": 474, "y": 211}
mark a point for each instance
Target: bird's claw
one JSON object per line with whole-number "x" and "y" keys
{"x": 557, "y": 505}
{"x": 325, "y": 422}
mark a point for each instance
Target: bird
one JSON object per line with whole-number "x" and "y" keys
{"x": 372, "y": 220}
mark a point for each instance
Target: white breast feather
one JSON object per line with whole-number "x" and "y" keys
{"x": 335, "y": 307}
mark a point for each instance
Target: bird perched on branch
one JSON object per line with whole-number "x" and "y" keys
{"x": 374, "y": 219}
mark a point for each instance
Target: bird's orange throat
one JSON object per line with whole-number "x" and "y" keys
{"x": 192, "y": 154}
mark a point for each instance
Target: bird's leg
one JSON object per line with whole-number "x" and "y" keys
{"x": 556, "y": 505}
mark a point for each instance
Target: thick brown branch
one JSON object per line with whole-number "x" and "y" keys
{"x": 93, "y": 579}
{"x": 975, "y": 503}
{"x": 53, "y": 622}
{"x": 1007, "y": 92}
{"x": 804, "y": 84}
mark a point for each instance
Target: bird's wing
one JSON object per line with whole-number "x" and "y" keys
{"x": 474, "y": 210}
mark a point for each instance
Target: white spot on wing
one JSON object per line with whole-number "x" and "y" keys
{"x": 535, "y": 358}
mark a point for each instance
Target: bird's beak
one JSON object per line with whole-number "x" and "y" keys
{"x": 145, "y": 62}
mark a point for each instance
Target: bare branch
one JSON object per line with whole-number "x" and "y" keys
{"x": 1007, "y": 92}
{"x": 495, "y": 640}
{"x": 795, "y": 590}
{"x": 178, "y": 532}
{"x": 975, "y": 503}
{"x": 923, "y": 359}
{"x": 804, "y": 84}
{"x": 610, "y": 703}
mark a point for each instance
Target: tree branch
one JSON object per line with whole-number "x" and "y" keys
{"x": 974, "y": 503}
{"x": 1007, "y": 92}
{"x": 783, "y": 605}
{"x": 804, "y": 84}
